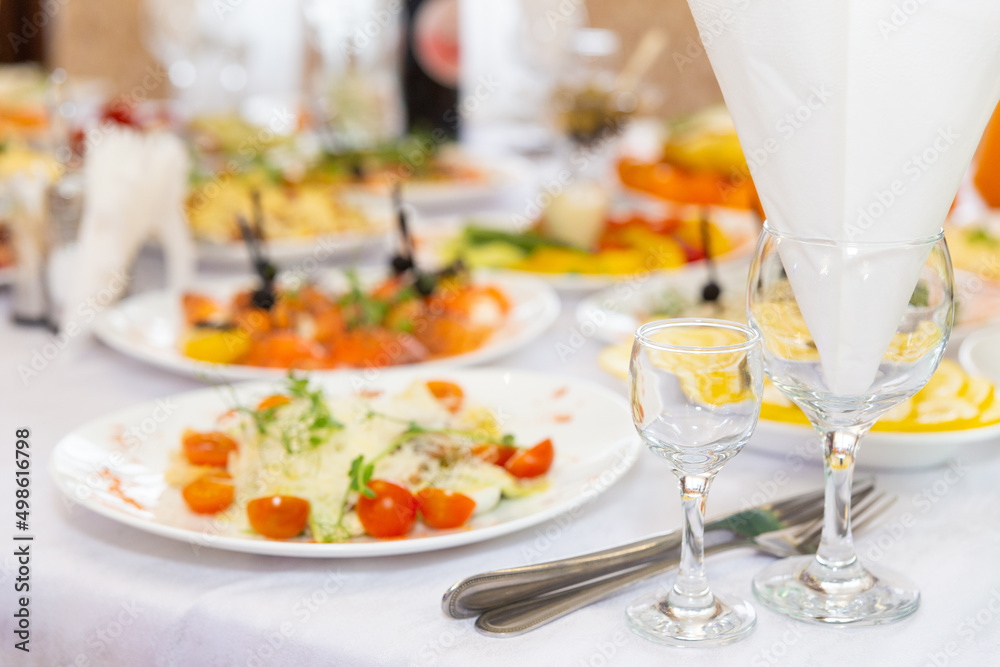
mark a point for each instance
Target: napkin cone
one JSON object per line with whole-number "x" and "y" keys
{"x": 858, "y": 119}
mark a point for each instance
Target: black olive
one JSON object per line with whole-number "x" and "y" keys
{"x": 424, "y": 284}
{"x": 711, "y": 292}
{"x": 401, "y": 264}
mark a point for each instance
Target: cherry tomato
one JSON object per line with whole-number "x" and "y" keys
{"x": 445, "y": 509}
{"x": 284, "y": 349}
{"x": 209, "y": 494}
{"x": 531, "y": 462}
{"x": 273, "y": 401}
{"x": 208, "y": 448}
{"x": 391, "y": 513}
{"x": 495, "y": 454}
{"x": 278, "y": 517}
{"x": 448, "y": 393}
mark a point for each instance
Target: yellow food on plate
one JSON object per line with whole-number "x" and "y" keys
{"x": 976, "y": 248}
{"x": 216, "y": 346}
{"x": 951, "y": 401}
{"x": 625, "y": 246}
{"x": 290, "y": 210}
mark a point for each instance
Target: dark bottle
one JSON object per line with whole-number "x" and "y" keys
{"x": 430, "y": 71}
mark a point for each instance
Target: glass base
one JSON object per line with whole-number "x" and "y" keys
{"x": 729, "y": 620}
{"x": 802, "y": 588}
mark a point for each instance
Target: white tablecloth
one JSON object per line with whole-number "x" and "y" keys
{"x": 106, "y": 594}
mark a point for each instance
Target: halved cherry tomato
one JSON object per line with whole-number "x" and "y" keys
{"x": 495, "y": 454}
{"x": 284, "y": 349}
{"x": 278, "y": 517}
{"x": 209, "y": 494}
{"x": 445, "y": 509}
{"x": 531, "y": 462}
{"x": 391, "y": 513}
{"x": 199, "y": 308}
{"x": 207, "y": 448}
{"x": 448, "y": 393}
{"x": 273, "y": 401}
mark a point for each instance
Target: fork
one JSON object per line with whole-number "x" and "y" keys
{"x": 482, "y": 592}
{"x": 528, "y": 614}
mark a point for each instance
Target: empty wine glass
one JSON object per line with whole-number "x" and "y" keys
{"x": 695, "y": 388}
{"x": 850, "y": 330}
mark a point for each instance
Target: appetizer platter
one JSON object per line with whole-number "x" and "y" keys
{"x": 355, "y": 465}
{"x": 298, "y": 220}
{"x": 955, "y": 409}
{"x": 339, "y": 321}
{"x": 433, "y": 171}
{"x": 622, "y": 246}
{"x": 616, "y": 312}
{"x": 700, "y": 162}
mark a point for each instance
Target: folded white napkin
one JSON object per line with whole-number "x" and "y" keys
{"x": 858, "y": 119}
{"x": 134, "y": 189}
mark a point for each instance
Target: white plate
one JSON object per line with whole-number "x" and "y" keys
{"x": 501, "y": 174}
{"x": 593, "y": 449}
{"x": 284, "y": 251}
{"x": 147, "y": 326}
{"x": 7, "y": 275}
{"x": 615, "y": 313}
{"x": 980, "y": 354}
{"x": 878, "y": 449}
{"x": 341, "y": 245}
{"x": 739, "y": 226}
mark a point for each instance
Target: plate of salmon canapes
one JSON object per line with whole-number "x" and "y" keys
{"x": 355, "y": 464}
{"x": 340, "y": 320}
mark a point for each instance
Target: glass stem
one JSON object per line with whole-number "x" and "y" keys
{"x": 690, "y": 592}
{"x": 836, "y": 547}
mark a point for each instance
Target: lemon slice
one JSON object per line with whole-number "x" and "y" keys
{"x": 615, "y": 359}
{"x": 948, "y": 380}
{"x": 941, "y": 410}
{"x": 978, "y": 391}
{"x": 899, "y": 413}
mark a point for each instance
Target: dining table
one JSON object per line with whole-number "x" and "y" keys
{"x": 104, "y": 593}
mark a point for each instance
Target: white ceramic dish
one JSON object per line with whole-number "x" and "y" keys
{"x": 616, "y": 312}
{"x": 593, "y": 449}
{"x": 980, "y": 354}
{"x": 148, "y": 326}
{"x": 286, "y": 251}
{"x": 878, "y": 450}
{"x": 434, "y": 234}
{"x": 501, "y": 174}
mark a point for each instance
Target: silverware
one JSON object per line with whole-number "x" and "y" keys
{"x": 482, "y": 592}
{"x": 526, "y": 615}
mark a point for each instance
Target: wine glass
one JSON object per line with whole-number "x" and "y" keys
{"x": 695, "y": 388}
{"x": 849, "y": 330}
